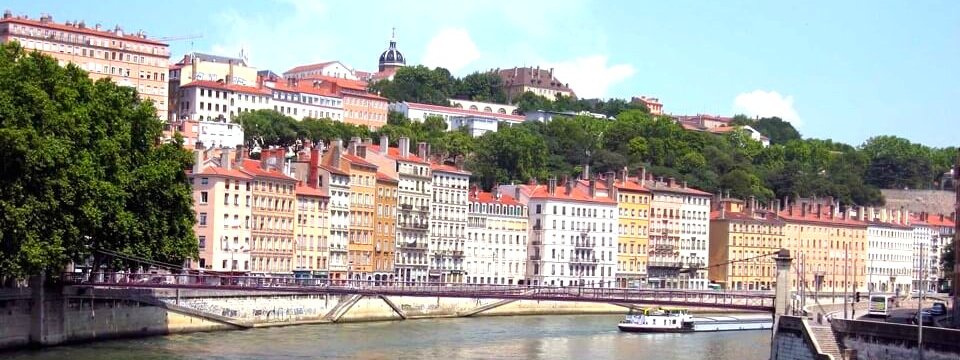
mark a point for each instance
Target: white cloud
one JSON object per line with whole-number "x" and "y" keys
{"x": 591, "y": 76}
{"x": 264, "y": 37}
{"x": 766, "y": 104}
{"x": 451, "y": 48}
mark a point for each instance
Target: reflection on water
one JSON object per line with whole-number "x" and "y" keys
{"x": 521, "y": 337}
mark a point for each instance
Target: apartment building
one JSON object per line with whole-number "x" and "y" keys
{"x": 830, "y": 245}
{"x": 448, "y": 222}
{"x": 679, "y": 235}
{"x": 573, "y": 236}
{"x": 633, "y": 218}
{"x": 223, "y": 227}
{"x": 128, "y": 59}
{"x": 496, "y": 246}
{"x": 890, "y": 244}
{"x": 743, "y": 239}
{"x": 311, "y": 231}
{"x": 414, "y": 192}
{"x": 209, "y": 108}
{"x": 385, "y": 231}
{"x": 274, "y": 199}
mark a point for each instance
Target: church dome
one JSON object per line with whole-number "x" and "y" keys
{"x": 392, "y": 57}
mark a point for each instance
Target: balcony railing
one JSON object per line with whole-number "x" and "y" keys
{"x": 413, "y": 246}
{"x": 412, "y": 226}
{"x": 665, "y": 264}
{"x": 535, "y": 257}
{"x": 457, "y": 253}
{"x": 584, "y": 245}
{"x": 536, "y": 243}
{"x": 584, "y": 260}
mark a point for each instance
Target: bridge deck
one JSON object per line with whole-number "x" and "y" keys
{"x": 667, "y": 297}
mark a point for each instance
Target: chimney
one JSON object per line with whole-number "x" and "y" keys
{"x": 516, "y": 193}
{"x": 831, "y": 209}
{"x": 941, "y": 217}
{"x": 384, "y": 144}
{"x": 803, "y": 209}
{"x": 723, "y": 210}
{"x": 776, "y": 207}
{"x": 459, "y": 161}
{"x": 643, "y": 176}
{"x": 225, "y": 161}
{"x": 684, "y": 184}
{"x": 862, "y": 213}
{"x": 671, "y": 182}
{"x": 586, "y": 172}
{"x": 786, "y": 201}
{"x": 403, "y": 143}
{"x": 241, "y": 154}
{"x": 623, "y": 175}
{"x": 313, "y": 170}
{"x": 611, "y": 191}
{"x": 552, "y": 186}
{"x": 362, "y": 151}
{"x": 593, "y": 187}
{"x": 352, "y": 148}
{"x": 496, "y": 191}
{"x": 422, "y": 150}
{"x": 198, "y": 163}
{"x": 906, "y": 217}
{"x": 568, "y": 184}
{"x": 337, "y": 152}
{"x": 753, "y": 205}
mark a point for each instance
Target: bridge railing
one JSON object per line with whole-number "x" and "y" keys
{"x": 381, "y": 287}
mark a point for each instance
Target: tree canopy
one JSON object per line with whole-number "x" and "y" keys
{"x": 84, "y": 172}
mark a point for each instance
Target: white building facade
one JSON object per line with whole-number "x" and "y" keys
{"x": 496, "y": 247}
{"x": 419, "y": 112}
{"x": 338, "y": 185}
{"x": 213, "y": 106}
{"x": 573, "y": 238}
{"x": 679, "y": 236}
{"x": 414, "y": 192}
{"x": 448, "y": 223}
{"x": 890, "y": 251}
{"x": 300, "y": 103}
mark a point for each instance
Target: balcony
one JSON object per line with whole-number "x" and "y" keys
{"x": 535, "y": 257}
{"x": 584, "y": 245}
{"x": 338, "y": 249}
{"x": 537, "y": 227}
{"x": 665, "y": 264}
{"x": 457, "y": 253}
{"x": 583, "y": 261}
{"x": 536, "y": 243}
{"x": 413, "y": 246}
{"x": 412, "y": 226}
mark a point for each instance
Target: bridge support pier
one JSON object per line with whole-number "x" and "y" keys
{"x": 782, "y": 294}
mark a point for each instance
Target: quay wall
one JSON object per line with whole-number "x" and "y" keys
{"x": 76, "y": 314}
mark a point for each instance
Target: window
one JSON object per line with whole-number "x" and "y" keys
{"x": 203, "y": 241}
{"x": 204, "y": 181}
{"x": 203, "y": 197}
{"x": 538, "y": 208}
{"x": 203, "y": 219}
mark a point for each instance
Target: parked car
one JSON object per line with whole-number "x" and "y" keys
{"x": 927, "y": 318}
{"x": 938, "y": 308}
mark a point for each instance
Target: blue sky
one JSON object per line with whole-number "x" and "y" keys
{"x": 845, "y": 71}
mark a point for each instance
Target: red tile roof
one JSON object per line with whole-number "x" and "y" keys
{"x": 447, "y": 168}
{"x": 824, "y": 219}
{"x": 631, "y": 184}
{"x": 466, "y": 112}
{"x": 87, "y": 30}
{"x": 487, "y": 197}
{"x": 356, "y": 160}
{"x": 676, "y": 188}
{"x": 333, "y": 170}
{"x": 317, "y": 66}
{"x": 384, "y": 177}
{"x": 309, "y": 191}
{"x": 577, "y": 194}
{"x": 341, "y": 82}
{"x": 933, "y": 220}
{"x": 219, "y": 171}
{"x": 744, "y": 216}
{"x": 394, "y": 153}
{"x": 228, "y": 87}
{"x": 252, "y": 168}
{"x": 305, "y": 87}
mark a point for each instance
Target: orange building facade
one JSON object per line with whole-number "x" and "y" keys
{"x": 385, "y": 232}
{"x": 129, "y": 59}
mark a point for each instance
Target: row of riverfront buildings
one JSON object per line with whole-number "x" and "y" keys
{"x": 366, "y": 211}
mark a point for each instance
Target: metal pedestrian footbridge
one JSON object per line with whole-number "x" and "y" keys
{"x": 756, "y": 301}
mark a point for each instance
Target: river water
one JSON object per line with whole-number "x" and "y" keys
{"x": 589, "y": 337}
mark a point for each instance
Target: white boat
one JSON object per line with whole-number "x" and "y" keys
{"x": 657, "y": 320}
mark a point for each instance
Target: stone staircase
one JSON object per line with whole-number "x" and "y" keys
{"x": 827, "y": 341}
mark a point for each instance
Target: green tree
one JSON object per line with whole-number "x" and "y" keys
{"x": 511, "y": 153}
{"x": 779, "y": 131}
{"x": 485, "y": 86}
{"x": 418, "y": 84}
{"x": 269, "y": 127}
{"x": 85, "y": 173}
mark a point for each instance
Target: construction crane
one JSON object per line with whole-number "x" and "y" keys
{"x": 178, "y": 38}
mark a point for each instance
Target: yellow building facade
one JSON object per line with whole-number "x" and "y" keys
{"x": 742, "y": 239}
{"x": 385, "y": 231}
{"x": 829, "y": 246}
{"x": 633, "y": 208}
{"x": 311, "y": 230}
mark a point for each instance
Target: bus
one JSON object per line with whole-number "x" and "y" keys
{"x": 880, "y": 305}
